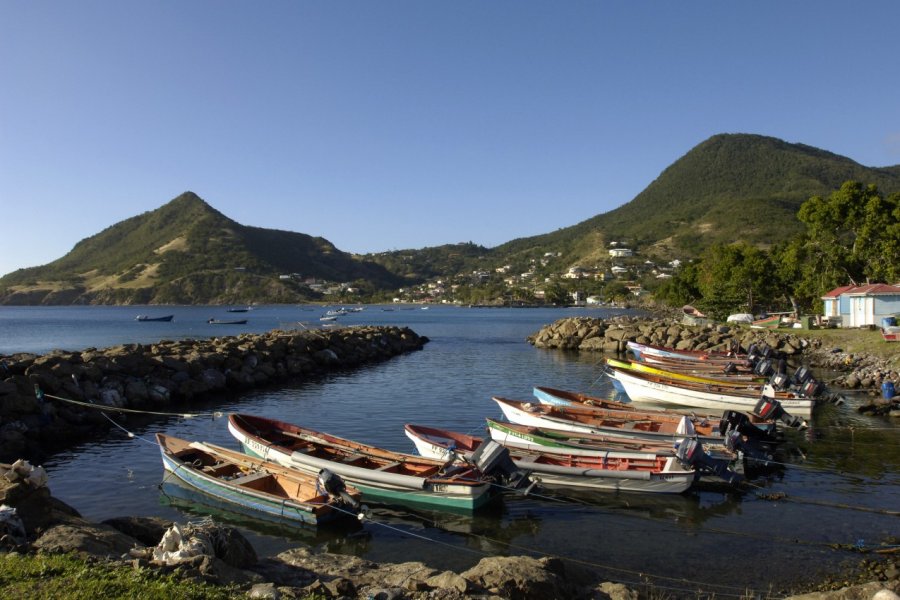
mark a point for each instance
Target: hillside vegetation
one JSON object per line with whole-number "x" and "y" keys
{"x": 186, "y": 252}
{"x": 730, "y": 188}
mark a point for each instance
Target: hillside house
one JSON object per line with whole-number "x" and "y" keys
{"x": 861, "y": 305}
{"x": 620, "y": 252}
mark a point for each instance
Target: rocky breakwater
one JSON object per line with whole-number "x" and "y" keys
{"x": 165, "y": 376}
{"x": 585, "y": 334}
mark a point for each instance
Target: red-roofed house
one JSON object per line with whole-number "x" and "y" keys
{"x": 862, "y": 305}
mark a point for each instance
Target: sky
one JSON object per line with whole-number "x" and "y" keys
{"x": 387, "y": 125}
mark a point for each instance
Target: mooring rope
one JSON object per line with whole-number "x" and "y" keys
{"x": 40, "y": 394}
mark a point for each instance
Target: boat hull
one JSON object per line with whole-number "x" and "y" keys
{"x": 242, "y": 500}
{"x": 586, "y": 471}
{"x": 376, "y": 486}
{"x": 645, "y": 390}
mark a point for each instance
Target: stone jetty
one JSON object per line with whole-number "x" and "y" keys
{"x": 586, "y": 334}
{"x": 166, "y": 376}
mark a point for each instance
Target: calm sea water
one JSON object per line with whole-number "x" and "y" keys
{"x": 839, "y": 481}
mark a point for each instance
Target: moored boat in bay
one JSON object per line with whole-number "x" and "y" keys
{"x": 253, "y": 486}
{"x": 382, "y": 475}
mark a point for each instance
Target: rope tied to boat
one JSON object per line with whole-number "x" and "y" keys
{"x": 41, "y": 395}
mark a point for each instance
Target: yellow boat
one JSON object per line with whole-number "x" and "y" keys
{"x": 652, "y": 370}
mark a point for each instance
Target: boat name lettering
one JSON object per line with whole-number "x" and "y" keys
{"x": 256, "y": 446}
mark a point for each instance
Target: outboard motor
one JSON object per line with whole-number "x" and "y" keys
{"x": 335, "y": 487}
{"x": 733, "y": 420}
{"x": 735, "y": 442}
{"x": 690, "y": 451}
{"x": 812, "y": 389}
{"x": 801, "y": 376}
{"x": 753, "y": 354}
{"x": 493, "y": 460}
{"x": 764, "y": 368}
{"x": 770, "y": 408}
{"x": 780, "y": 381}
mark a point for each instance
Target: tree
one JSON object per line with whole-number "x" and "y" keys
{"x": 852, "y": 236}
{"x": 732, "y": 278}
{"x": 681, "y": 289}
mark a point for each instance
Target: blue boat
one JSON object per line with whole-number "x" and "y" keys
{"x": 252, "y": 486}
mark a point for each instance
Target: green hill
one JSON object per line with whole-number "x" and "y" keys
{"x": 186, "y": 252}
{"x": 732, "y": 187}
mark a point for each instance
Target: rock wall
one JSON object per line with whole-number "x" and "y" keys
{"x": 163, "y": 376}
{"x": 588, "y": 334}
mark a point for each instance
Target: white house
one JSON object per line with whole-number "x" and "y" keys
{"x": 862, "y": 305}
{"x": 620, "y": 252}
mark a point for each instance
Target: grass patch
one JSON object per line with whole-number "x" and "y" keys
{"x": 71, "y": 577}
{"x": 856, "y": 341}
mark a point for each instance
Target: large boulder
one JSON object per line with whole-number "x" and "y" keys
{"x": 521, "y": 577}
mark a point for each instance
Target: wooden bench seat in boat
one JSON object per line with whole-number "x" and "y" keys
{"x": 246, "y": 480}
{"x": 389, "y": 466}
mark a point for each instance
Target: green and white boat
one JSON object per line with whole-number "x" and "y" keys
{"x": 383, "y": 476}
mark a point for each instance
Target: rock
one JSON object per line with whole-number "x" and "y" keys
{"x": 84, "y": 537}
{"x": 616, "y": 591}
{"x": 523, "y": 578}
{"x": 865, "y": 591}
{"x": 450, "y": 581}
{"x": 264, "y": 590}
{"x": 147, "y": 530}
{"x": 232, "y": 547}
{"x": 133, "y": 375}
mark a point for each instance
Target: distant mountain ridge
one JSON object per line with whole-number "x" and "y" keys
{"x": 731, "y": 187}
{"x": 186, "y": 252}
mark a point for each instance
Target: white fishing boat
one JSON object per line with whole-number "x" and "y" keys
{"x": 642, "y": 387}
{"x": 612, "y": 471}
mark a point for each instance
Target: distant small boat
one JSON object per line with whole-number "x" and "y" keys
{"x": 771, "y": 322}
{"x": 149, "y": 318}
{"x": 238, "y": 310}
{"x": 692, "y": 316}
{"x": 221, "y": 322}
{"x": 328, "y": 318}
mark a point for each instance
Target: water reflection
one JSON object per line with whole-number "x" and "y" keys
{"x": 346, "y": 536}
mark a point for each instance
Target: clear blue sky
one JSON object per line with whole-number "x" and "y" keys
{"x": 387, "y": 125}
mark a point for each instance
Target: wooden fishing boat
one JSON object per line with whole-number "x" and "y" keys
{"x": 558, "y": 441}
{"x": 148, "y": 318}
{"x": 692, "y": 316}
{"x": 654, "y": 389}
{"x": 241, "y": 483}
{"x": 382, "y": 475}
{"x": 633, "y": 426}
{"x": 613, "y": 471}
{"x": 548, "y": 395}
{"x": 770, "y": 322}
{"x": 227, "y": 322}
{"x": 642, "y": 350}
{"x": 713, "y": 368}
{"x": 890, "y": 333}
{"x": 741, "y": 381}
